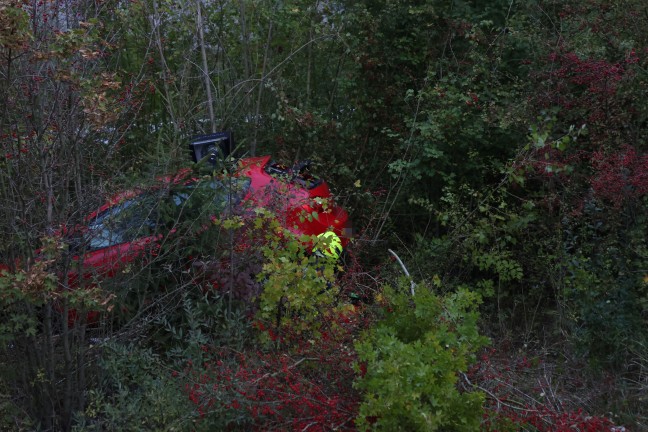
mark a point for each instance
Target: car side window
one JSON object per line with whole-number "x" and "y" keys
{"x": 122, "y": 223}
{"x": 140, "y": 216}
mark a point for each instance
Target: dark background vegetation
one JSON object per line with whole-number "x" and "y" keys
{"x": 499, "y": 148}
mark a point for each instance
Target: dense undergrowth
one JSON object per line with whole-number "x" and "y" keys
{"x": 498, "y": 149}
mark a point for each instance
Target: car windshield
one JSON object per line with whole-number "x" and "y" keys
{"x": 143, "y": 215}
{"x": 219, "y": 195}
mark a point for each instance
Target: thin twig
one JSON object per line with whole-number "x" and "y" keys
{"x": 498, "y": 400}
{"x": 412, "y": 284}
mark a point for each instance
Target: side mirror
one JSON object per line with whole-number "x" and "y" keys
{"x": 213, "y": 147}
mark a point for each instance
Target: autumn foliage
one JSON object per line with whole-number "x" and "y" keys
{"x": 493, "y": 157}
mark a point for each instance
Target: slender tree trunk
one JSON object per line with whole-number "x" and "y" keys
{"x": 309, "y": 65}
{"x": 257, "y": 113}
{"x": 247, "y": 61}
{"x": 156, "y": 22}
{"x": 205, "y": 67}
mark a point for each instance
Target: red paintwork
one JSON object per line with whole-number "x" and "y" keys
{"x": 295, "y": 201}
{"x": 106, "y": 262}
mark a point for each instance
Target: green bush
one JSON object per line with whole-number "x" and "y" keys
{"x": 413, "y": 359}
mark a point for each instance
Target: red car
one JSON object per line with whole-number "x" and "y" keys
{"x": 134, "y": 224}
{"x": 129, "y": 225}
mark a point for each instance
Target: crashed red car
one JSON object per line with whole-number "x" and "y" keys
{"x": 128, "y": 227}
{"x": 135, "y": 224}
